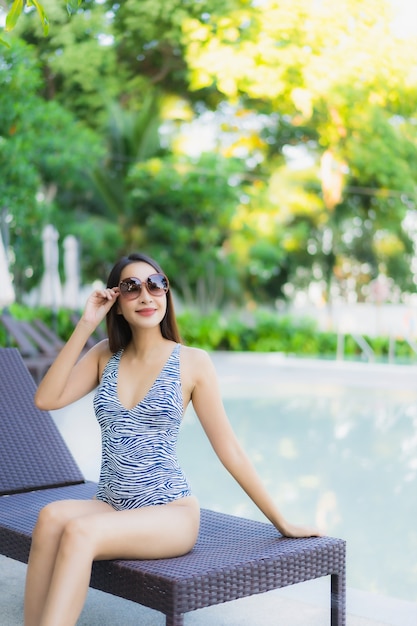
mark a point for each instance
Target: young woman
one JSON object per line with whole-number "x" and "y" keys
{"x": 143, "y": 507}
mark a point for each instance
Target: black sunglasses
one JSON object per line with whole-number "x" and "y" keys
{"x": 156, "y": 284}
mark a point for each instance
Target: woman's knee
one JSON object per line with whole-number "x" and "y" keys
{"x": 48, "y": 528}
{"x": 77, "y": 537}
{"x": 50, "y": 520}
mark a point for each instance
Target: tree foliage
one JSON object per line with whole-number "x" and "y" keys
{"x": 321, "y": 127}
{"x": 17, "y": 7}
{"x": 336, "y": 74}
{"x": 77, "y": 59}
{"x": 183, "y": 215}
{"x": 150, "y": 40}
{"x": 132, "y": 137}
{"x": 44, "y": 153}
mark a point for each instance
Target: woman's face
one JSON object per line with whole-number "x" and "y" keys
{"x": 142, "y": 302}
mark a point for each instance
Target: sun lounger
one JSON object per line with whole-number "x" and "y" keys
{"x": 37, "y": 344}
{"x": 234, "y": 557}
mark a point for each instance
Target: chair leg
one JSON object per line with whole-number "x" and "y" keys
{"x": 338, "y": 599}
{"x": 175, "y": 620}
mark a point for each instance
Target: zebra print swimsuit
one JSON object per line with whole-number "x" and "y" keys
{"x": 139, "y": 465}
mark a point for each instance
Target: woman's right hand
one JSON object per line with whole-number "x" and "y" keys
{"x": 99, "y": 304}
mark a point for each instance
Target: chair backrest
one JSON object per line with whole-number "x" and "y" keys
{"x": 33, "y": 454}
{"x": 17, "y": 336}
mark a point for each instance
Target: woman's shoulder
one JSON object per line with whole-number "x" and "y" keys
{"x": 195, "y": 360}
{"x": 101, "y": 348}
{"x": 194, "y": 354}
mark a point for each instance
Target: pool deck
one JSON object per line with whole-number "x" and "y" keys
{"x": 244, "y": 372}
{"x": 306, "y": 604}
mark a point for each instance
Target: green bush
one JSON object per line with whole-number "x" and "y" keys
{"x": 380, "y": 346}
{"x": 236, "y": 335}
{"x": 403, "y": 350}
{"x": 200, "y": 331}
{"x": 261, "y": 331}
{"x": 328, "y": 343}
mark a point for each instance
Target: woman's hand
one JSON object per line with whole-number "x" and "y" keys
{"x": 293, "y": 531}
{"x": 99, "y": 304}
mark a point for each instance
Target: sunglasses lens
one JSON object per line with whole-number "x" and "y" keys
{"x": 157, "y": 284}
{"x": 130, "y": 288}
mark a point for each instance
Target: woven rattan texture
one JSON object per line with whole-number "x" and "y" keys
{"x": 32, "y": 452}
{"x": 233, "y": 558}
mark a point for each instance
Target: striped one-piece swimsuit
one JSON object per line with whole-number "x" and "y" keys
{"x": 139, "y": 465}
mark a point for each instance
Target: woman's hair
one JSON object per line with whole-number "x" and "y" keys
{"x": 118, "y": 329}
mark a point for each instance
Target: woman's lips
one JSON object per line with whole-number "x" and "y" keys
{"x": 146, "y": 312}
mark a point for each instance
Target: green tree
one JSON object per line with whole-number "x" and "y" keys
{"x": 327, "y": 81}
{"x": 42, "y": 173}
{"x": 77, "y": 58}
{"x": 132, "y": 137}
{"x": 183, "y": 214}
{"x": 150, "y": 41}
{"x": 342, "y": 89}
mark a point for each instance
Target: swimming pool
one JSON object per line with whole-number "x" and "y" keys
{"x": 334, "y": 442}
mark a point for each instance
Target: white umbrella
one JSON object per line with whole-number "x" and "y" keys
{"x": 51, "y": 290}
{"x": 72, "y": 273}
{"x": 7, "y": 295}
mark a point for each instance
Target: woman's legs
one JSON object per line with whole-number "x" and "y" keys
{"x": 101, "y": 533}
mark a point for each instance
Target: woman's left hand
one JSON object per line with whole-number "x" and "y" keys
{"x": 291, "y": 530}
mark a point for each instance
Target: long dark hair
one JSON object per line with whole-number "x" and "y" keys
{"x": 118, "y": 329}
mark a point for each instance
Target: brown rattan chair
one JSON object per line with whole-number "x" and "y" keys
{"x": 234, "y": 557}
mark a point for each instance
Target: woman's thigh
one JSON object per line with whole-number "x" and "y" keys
{"x": 150, "y": 532}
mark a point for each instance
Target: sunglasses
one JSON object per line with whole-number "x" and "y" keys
{"x": 156, "y": 285}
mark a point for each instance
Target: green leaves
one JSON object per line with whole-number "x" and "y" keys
{"x": 44, "y": 154}
{"x": 72, "y": 6}
{"x": 14, "y": 14}
{"x": 184, "y": 208}
{"x": 41, "y": 13}
{"x": 17, "y": 9}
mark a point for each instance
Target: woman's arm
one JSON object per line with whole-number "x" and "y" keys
{"x": 209, "y": 407}
{"x": 70, "y": 378}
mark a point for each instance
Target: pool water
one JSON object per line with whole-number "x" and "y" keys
{"x": 335, "y": 444}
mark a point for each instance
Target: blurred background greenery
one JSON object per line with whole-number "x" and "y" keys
{"x": 253, "y": 148}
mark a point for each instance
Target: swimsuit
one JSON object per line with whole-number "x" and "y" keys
{"x": 139, "y": 465}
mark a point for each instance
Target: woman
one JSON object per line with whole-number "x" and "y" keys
{"x": 143, "y": 507}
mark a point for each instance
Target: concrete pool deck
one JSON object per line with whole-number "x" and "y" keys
{"x": 306, "y": 604}
{"x": 263, "y": 372}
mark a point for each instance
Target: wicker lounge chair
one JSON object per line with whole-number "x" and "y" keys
{"x": 233, "y": 558}
{"x": 37, "y": 343}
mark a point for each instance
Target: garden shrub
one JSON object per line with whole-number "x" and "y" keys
{"x": 200, "y": 331}
{"x": 260, "y": 331}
